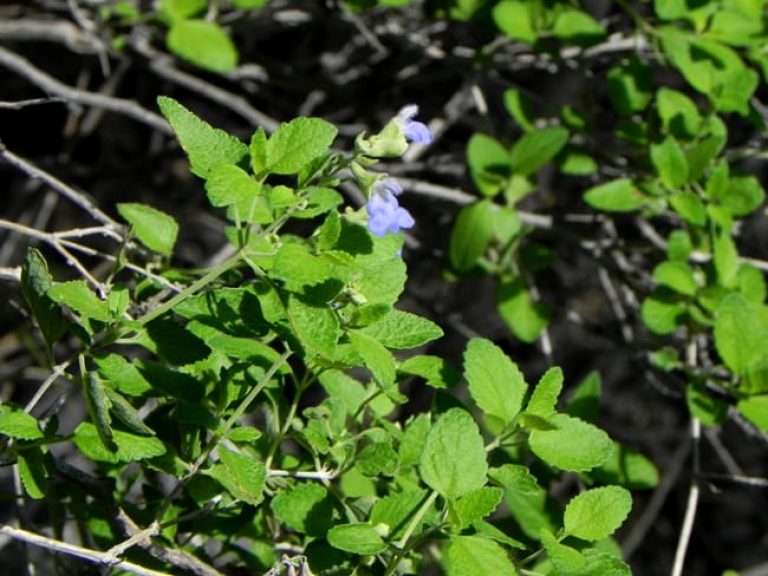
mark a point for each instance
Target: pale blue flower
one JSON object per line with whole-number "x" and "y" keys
{"x": 413, "y": 130}
{"x": 384, "y": 212}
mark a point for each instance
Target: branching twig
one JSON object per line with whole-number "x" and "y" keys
{"x": 44, "y": 81}
{"x": 102, "y": 558}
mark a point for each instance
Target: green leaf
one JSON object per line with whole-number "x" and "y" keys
{"x": 453, "y": 461}
{"x": 78, "y": 296}
{"x": 296, "y": 143}
{"x": 126, "y": 413}
{"x": 472, "y": 231}
{"x": 741, "y": 337}
{"x": 376, "y": 357}
{"x": 677, "y": 276}
{"x": 745, "y": 195}
{"x": 396, "y": 510}
{"x": 543, "y": 401}
{"x": 495, "y": 382}
{"x": 155, "y": 229}
{"x": 130, "y": 447}
{"x": 703, "y": 406}
{"x": 627, "y": 468}
{"x": 578, "y": 27}
{"x": 670, "y": 162}
{"x": 701, "y": 155}
{"x": 488, "y": 162}
{"x": 316, "y": 327}
{"x": 122, "y": 374}
{"x": 515, "y": 19}
{"x": 585, "y": 400}
{"x": 248, "y": 3}
{"x": 755, "y": 409}
{"x": 306, "y": 508}
{"x": 339, "y": 385}
{"x": 403, "y": 330}
{"x": 679, "y": 246}
{"x": 98, "y": 405}
{"x": 476, "y": 505}
{"x": 524, "y": 317}
{"x": 616, "y": 196}
{"x": 376, "y": 459}
{"x": 243, "y": 476}
{"x": 412, "y": 442}
{"x": 572, "y": 445}
{"x": 33, "y": 473}
{"x": 206, "y": 146}
{"x": 679, "y": 115}
{"x": 751, "y": 284}
{"x": 662, "y": 311}
{"x": 16, "y": 423}
{"x": 202, "y": 43}
{"x": 298, "y": 267}
{"x": 244, "y": 434}
{"x": 35, "y": 283}
{"x": 176, "y": 9}
{"x": 629, "y": 86}
{"x": 565, "y": 559}
{"x": 361, "y": 539}
{"x": 537, "y": 148}
{"x": 597, "y": 513}
{"x": 436, "y": 371}
{"x": 519, "y": 107}
{"x": 526, "y": 500}
{"x": 476, "y": 556}
{"x": 689, "y": 207}
{"x": 726, "y": 258}
{"x": 229, "y": 185}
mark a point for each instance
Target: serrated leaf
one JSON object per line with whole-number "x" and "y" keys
{"x": 361, "y": 539}
{"x": 472, "y": 231}
{"x": 298, "y": 267}
{"x": 78, "y": 296}
{"x": 435, "y": 370}
{"x": 206, "y": 146}
{"x": 524, "y": 317}
{"x": 627, "y": 468}
{"x": 396, "y": 510}
{"x": 33, "y": 472}
{"x": 597, "y": 513}
{"x": 495, "y": 382}
{"x": 526, "y": 500}
{"x": 412, "y": 442}
{"x": 454, "y": 461}
{"x": 155, "y": 229}
{"x": 476, "y": 505}
{"x": 616, "y": 196}
{"x": 515, "y": 19}
{"x": 376, "y": 357}
{"x": 16, "y": 423}
{"x": 376, "y": 459}
{"x": 662, "y": 311}
{"x": 670, "y": 162}
{"x": 543, "y": 401}
{"x": 126, "y": 413}
{"x": 242, "y": 476}
{"x": 537, "y": 148}
{"x": 689, "y": 207}
{"x": 306, "y": 508}
{"x": 130, "y": 447}
{"x": 204, "y": 44}
{"x": 476, "y": 556}
{"x": 565, "y": 559}
{"x": 121, "y": 373}
{"x": 402, "y": 330}
{"x": 677, "y": 276}
{"x": 296, "y": 143}
{"x": 755, "y": 409}
{"x": 585, "y": 399}
{"x": 316, "y": 327}
{"x": 230, "y": 185}
{"x": 339, "y": 385}
{"x": 741, "y": 337}
{"x": 35, "y": 283}
{"x": 98, "y": 406}
{"x": 573, "y": 445}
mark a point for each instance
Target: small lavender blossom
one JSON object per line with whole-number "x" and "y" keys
{"x": 413, "y": 130}
{"x": 386, "y": 215}
{"x": 387, "y": 185}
